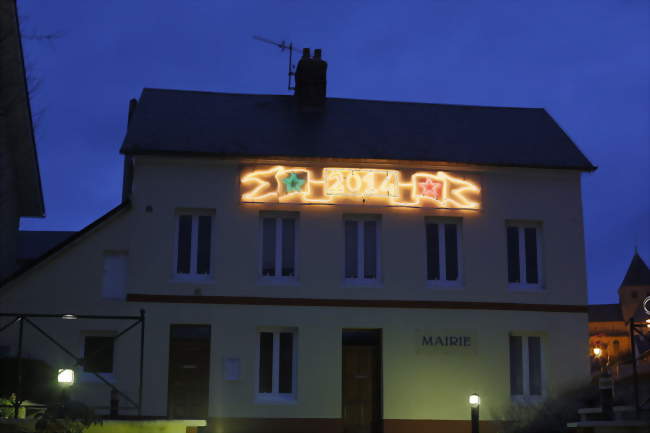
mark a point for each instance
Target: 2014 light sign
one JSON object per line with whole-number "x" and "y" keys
{"x": 369, "y": 186}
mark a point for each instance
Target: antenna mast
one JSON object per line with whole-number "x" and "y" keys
{"x": 283, "y": 46}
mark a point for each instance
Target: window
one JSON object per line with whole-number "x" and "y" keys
{"x": 443, "y": 251}
{"x": 114, "y": 278}
{"x": 98, "y": 354}
{"x": 193, "y": 244}
{"x": 362, "y": 248}
{"x": 277, "y": 364}
{"x": 278, "y": 245}
{"x": 525, "y": 366}
{"x": 524, "y": 255}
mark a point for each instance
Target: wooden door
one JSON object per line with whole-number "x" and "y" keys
{"x": 360, "y": 389}
{"x": 189, "y": 371}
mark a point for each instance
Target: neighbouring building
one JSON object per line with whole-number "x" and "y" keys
{"x": 324, "y": 264}
{"x": 609, "y": 323}
{"x": 20, "y": 180}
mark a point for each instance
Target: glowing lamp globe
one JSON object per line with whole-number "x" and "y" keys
{"x": 474, "y": 400}
{"x": 65, "y": 376}
{"x": 597, "y": 352}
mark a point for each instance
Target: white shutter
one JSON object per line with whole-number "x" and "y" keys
{"x": 114, "y": 279}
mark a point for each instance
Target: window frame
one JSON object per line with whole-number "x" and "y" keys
{"x": 442, "y": 252}
{"x": 521, "y": 226}
{"x": 526, "y": 397}
{"x": 193, "y": 275}
{"x": 278, "y": 278}
{"x": 275, "y": 396}
{"x": 87, "y": 376}
{"x": 362, "y": 280}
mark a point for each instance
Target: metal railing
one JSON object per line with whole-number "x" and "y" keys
{"x": 24, "y": 318}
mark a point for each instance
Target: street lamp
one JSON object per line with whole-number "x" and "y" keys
{"x": 597, "y": 352}
{"x": 474, "y": 403}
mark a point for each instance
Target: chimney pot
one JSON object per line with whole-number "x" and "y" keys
{"x": 311, "y": 79}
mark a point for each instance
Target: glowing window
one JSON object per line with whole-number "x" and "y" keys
{"x": 443, "y": 250}
{"x": 525, "y": 366}
{"x": 193, "y": 244}
{"x": 524, "y": 254}
{"x": 361, "y": 248}
{"x": 277, "y": 364}
{"x": 278, "y": 255}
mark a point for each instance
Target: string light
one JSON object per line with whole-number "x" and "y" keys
{"x": 280, "y": 184}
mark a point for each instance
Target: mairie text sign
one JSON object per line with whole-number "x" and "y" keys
{"x": 446, "y": 341}
{"x": 369, "y": 186}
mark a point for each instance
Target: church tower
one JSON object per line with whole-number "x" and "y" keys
{"x": 634, "y": 288}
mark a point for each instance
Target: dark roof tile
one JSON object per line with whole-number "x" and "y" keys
{"x": 605, "y": 313}
{"x": 233, "y": 125}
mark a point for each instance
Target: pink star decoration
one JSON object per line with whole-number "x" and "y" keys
{"x": 430, "y": 189}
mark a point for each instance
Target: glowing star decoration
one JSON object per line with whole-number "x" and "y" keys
{"x": 293, "y": 183}
{"x": 358, "y": 186}
{"x": 430, "y": 189}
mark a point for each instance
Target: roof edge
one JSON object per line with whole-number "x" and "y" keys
{"x": 78, "y": 235}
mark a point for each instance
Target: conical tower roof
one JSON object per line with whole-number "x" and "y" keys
{"x": 637, "y": 274}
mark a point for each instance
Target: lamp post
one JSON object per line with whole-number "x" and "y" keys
{"x": 605, "y": 387}
{"x": 66, "y": 380}
{"x": 474, "y": 403}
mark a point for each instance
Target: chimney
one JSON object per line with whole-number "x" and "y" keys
{"x": 311, "y": 79}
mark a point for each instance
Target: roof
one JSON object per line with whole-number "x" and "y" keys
{"x": 18, "y": 131}
{"x": 638, "y": 273}
{"x": 56, "y": 247}
{"x": 604, "y": 313}
{"x": 236, "y": 125}
{"x": 33, "y": 244}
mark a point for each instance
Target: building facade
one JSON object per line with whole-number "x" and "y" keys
{"x": 20, "y": 181}
{"x": 327, "y": 267}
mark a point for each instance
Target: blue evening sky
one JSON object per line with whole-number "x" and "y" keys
{"x": 586, "y": 62}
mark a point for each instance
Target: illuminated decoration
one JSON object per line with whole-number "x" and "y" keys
{"x": 293, "y": 183}
{"x": 358, "y": 186}
{"x": 431, "y": 189}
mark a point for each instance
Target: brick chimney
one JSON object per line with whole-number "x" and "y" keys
{"x": 311, "y": 79}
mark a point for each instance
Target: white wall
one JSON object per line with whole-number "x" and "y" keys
{"x": 415, "y": 386}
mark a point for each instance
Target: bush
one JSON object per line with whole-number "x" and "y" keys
{"x": 71, "y": 417}
{"x": 39, "y": 379}
{"x": 553, "y": 414}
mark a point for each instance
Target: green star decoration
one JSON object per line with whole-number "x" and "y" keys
{"x": 293, "y": 183}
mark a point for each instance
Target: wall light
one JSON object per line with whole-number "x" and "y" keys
{"x": 65, "y": 377}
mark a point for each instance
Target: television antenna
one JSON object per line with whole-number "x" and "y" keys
{"x": 283, "y": 46}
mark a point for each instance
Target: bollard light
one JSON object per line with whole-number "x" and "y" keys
{"x": 474, "y": 403}
{"x": 65, "y": 377}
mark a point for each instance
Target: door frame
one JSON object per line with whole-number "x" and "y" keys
{"x": 377, "y": 335}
